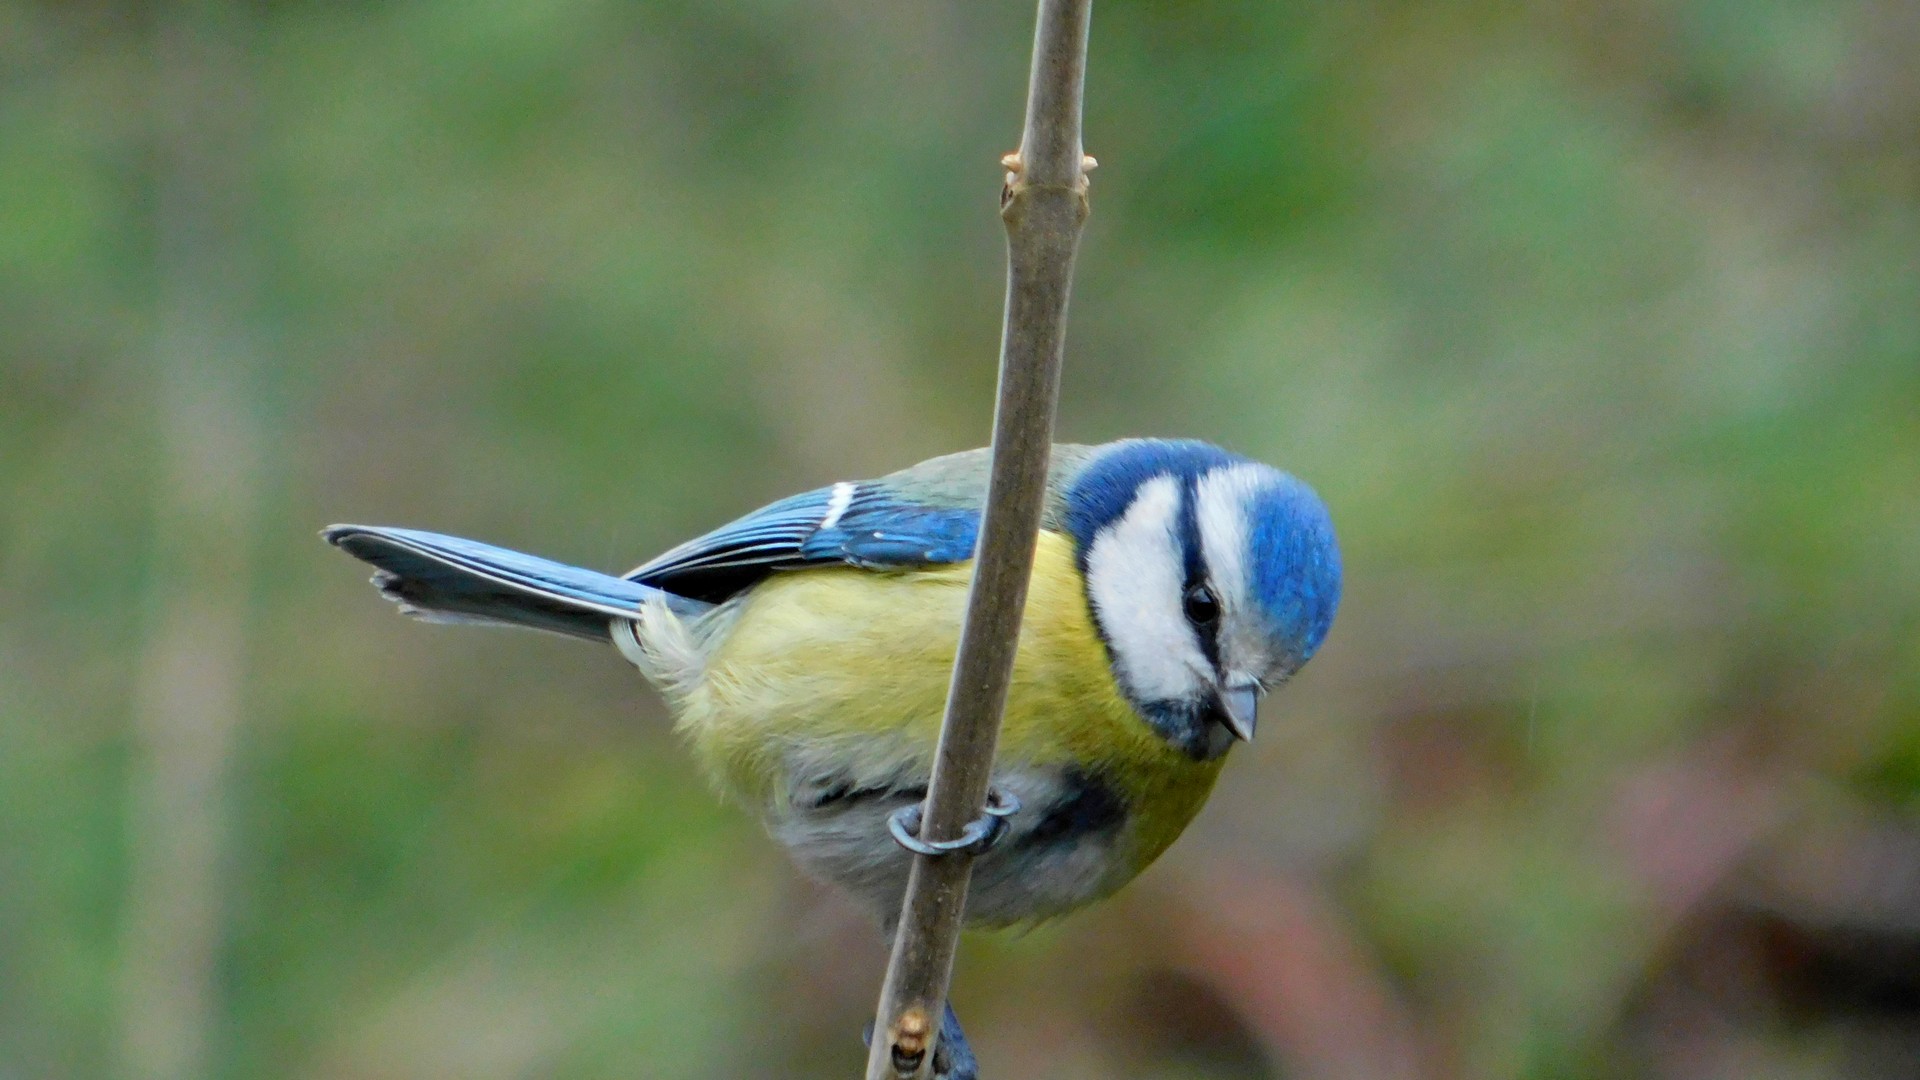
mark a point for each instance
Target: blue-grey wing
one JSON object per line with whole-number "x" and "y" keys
{"x": 867, "y": 525}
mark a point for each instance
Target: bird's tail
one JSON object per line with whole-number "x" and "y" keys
{"x": 447, "y": 579}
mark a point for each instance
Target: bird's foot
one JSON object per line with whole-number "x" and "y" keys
{"x": 952, "y": 1058}
{"x": 980, "y": 834}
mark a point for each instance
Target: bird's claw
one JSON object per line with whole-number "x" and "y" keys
{"x": 977, "y": 838}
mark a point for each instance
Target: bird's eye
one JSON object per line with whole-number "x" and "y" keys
{"x": 1201, "y": 607}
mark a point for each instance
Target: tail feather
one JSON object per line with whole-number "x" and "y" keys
{"x": 448, "y": 579}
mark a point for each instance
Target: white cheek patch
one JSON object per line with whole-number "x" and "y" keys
{"x": 1221, "y": 500}
{"x": 1135, "y": 574}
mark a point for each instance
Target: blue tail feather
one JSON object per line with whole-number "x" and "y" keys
{"x": 446, "y": 577}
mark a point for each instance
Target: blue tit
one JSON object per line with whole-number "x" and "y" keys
{"x": 805, "y": 652}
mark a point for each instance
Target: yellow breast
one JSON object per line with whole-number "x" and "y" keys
{"x": 848, "y": 669}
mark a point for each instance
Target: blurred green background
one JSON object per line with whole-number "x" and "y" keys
{"x": 1596, "y": 322}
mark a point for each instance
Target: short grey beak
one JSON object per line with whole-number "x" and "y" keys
{"x": 1242, "y": 709}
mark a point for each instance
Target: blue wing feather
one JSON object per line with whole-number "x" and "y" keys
{"x": 878, "y": 529}
{"x": 448, "y": 577}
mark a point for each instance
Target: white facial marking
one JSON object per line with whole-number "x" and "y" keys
{"x": 1135, "y": 575}
{"x": 1222, "y": 497}
{"x": 837, "y": 504}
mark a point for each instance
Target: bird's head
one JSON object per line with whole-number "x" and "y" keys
{"x": 1211, "y": 578}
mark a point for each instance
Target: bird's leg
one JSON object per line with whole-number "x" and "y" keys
{"x": 952, "y": 1058}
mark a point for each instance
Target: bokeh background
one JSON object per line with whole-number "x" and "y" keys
{"x": 1597, "y": 322}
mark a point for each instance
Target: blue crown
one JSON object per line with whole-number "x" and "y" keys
{"x": 1295, "y": 571}
{"x": 1294, "y": 564}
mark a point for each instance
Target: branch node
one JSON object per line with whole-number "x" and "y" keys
{"x": 1016, "y": 181}
{"x": 909, "y": 1039}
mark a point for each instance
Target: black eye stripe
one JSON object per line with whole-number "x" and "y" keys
{"x": 1195, "y": 567}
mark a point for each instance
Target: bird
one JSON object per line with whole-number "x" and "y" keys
{"x": 805, "y": 651}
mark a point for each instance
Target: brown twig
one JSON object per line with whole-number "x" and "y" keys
{"x": 1043, "y": 205}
